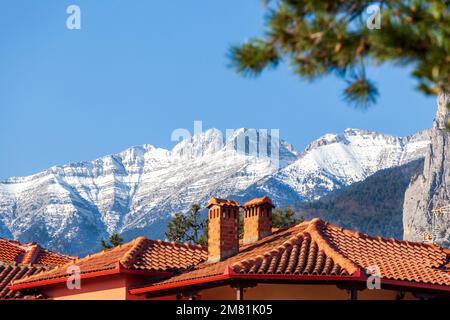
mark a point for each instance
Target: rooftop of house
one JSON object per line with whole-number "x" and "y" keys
{"x": 19, "y": 260}
{"x": 313, "y": 250}
{"x": 13, "y": 251}
{"x": 140, "y": 256}
{"x": 316, "y": 250}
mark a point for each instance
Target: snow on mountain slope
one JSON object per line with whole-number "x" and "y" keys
{"x": 71, "y": 208}
{"x": 334, "y": 161}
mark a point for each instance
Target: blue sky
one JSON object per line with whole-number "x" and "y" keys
{"x": 138, "y": 69}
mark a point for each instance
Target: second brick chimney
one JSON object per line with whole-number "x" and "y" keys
{"x": 257, "y": 219}
{"x": 223, "y": 233}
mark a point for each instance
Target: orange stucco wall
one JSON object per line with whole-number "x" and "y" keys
{"x": 108, "y": 288}
{"x": 104, "y": 288}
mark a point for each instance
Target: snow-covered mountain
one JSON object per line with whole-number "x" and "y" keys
{"x": 337, "y": 160}
{"x": 70, "y": 208}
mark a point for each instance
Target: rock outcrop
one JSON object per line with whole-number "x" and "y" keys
{"x": 431, "y": 189}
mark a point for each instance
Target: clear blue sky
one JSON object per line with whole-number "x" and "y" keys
{"x": 139, "y": 69}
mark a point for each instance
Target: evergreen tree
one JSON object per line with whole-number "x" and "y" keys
{"x": 114, "y": 241}
{"x": 187, "y": 227}
{"x": 196, "y": 226}
{"x": 330, "y": 37}
{"x": 284, "y": 218}
{"x": 241, "y": 224}
{"x": 177, "y": 228}
{"x": 105, "y": 245}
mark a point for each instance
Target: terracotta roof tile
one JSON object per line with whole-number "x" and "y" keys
{"x": 397, "y": 260}
{"x": 318, "y": 248}
{"x": 140, "y": 254}
{"x": 10, "y": 251}
{"x": 19, "y": 260}
{"x": 290, "y": 251}
{"x": 313, "y": 248}
{"x": 10, "y": 272}
{"x": 50, "y": 258}
{"x": 13, "y": 251}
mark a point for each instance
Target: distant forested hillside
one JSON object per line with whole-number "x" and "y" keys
{"x": 373, "y": 206}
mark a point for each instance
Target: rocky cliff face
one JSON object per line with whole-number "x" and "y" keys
{"x": 431, "y": 189}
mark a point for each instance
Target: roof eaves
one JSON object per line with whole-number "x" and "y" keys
{"x": 230, "y": 274}
{"x": 415, "y": 285}
{"x": 62, "y": 279}
{"x": 118, "y": 269}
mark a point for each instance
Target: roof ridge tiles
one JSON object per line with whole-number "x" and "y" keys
{"x": 314, "y": 229}
{"x": 129, "y": 256}
{"x": 31, "y": 254}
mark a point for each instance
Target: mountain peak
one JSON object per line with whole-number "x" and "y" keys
{"x": 352, "y": 133}
{"x": 71, "y": 208}
{"x": 356, "y": 132}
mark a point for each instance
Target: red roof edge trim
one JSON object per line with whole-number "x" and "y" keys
{"x": 47, "y": 282}
{"x": 410, "y": 284}
{"x": 180, "y": 284}
{"x": 229, "y": 271}
{"x": 119, "y": 269}
{"x": 230, "y": 274}
{"x": 357, "y": 275}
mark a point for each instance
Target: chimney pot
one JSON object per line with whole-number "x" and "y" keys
{"x": 257, "y": 219}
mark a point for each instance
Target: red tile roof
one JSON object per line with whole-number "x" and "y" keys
{"x": 397, "y": 260}
{"x": 313, "y": 250}
{"x": 10, "y": 251}
{"x": 288, "y": 251}
{"x": 10, "y": 272}
{"x": 259, "y": 201}
{"x": 29, "y": 253}
{"x": 317, "y": 250}
{"x": 222, "y": 202}
{"x": 139, "y": 255}
{"x": 19, "y": 260}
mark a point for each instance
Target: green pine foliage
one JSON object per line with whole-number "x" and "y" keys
{"x": 188, "y": 227}
{"x": 285, "y": 217}
{"x": 330, "y": 37}
{"x": 114, "y": 241}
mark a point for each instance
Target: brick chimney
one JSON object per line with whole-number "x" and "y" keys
{"x": 257, "y": 219}
{"x": 223, "y": 225}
